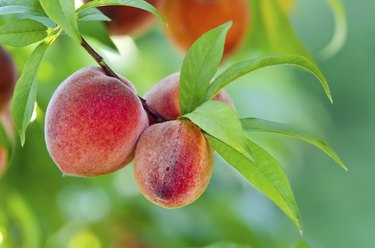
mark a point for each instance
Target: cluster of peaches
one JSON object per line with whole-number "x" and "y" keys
{"x": 96, "y": 124}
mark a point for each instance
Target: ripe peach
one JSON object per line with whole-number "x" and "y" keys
{"x": 93, "y": 122}
{"x": 173, "y": 163}
{"x": 164, "y": 97}
{"x": 128, "y": 20}
{"x": 189, "y": 19}
{"x": 8, "y": 77}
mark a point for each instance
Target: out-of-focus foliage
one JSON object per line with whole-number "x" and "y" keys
{"x": 41, "y": 208}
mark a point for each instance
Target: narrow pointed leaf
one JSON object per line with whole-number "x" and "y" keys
{"x": 41, "y": 19}
{"x": 220, "y": 121}
{"x": 62, "y": 12}
{"x": 25, "y": 9}
{"x": 9, "y": 7}
{"x": 254, "y": 124}
{"x": 21, "y": 33}
{"x": 92, "y": 15}
{"x": 341, "y": 30}
{"x": 29, "y": 3}
{"x": 25, "y": 93}
{"x": 242, "y": 68}
{"x": 199, "y": 67}
{"x": 279, "y": 32}
{"x": 265, "y": 174}
{"x": 17, "y": 9}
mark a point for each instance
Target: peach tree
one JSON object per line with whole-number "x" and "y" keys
{"x": 95, "y": 123}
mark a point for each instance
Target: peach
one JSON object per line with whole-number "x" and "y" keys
{"x": 128, "y": 20}
{"x": 93, "y": 122}
{"x": 164, "y": 97}
{"x": 8, "y": 77}
{"x": 189, "y": 19}
{"x": 173, "y": 163}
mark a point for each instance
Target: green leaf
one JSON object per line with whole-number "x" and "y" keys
{"x": 341, "y": 30}
{"x": 8, "y": 7}
{"x": 242, "y": 68}
{"x": 92, "y": 15}
{"x": 265, "y": 174}
{"x": 62, "y": 12}
{"x": 28, "y": 3}
{"x": 97, "y": 31}
{"x": 25, "y": 93}
{"x": 41, "y": 19}
{"x": 259, "y": 42}
{"x": 17, "y": 9}
{"x": 140, "y": 4}
{"x": 22, "y": 33}
{"x": 254, "y": 124}
{"x": 25, "y": 9}
{"x": 219, "y": 120}
{"x": 199, "y": 66}
{"x": 4, "y": 3}
{"x": 279, "y": 32}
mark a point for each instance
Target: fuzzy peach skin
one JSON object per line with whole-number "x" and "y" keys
{"x": 8, "y": 78}
{"x": 173, "y": 163}
{"x": 164, "y": 97}
{"x": 189, "y": 19}
{"x": 129, "y": 20}
{"x": 93, "y": 122}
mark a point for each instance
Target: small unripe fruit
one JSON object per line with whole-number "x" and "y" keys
{"x": 189, "y": 19}
{"x": 8, "y": 77}
{"x": 128, "y": 20}
{"x": 173, "y": 163}
{"x": 164, "y": 97}
{"x": 93, "y": 122}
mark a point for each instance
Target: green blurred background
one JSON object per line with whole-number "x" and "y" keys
{"x": 41, "y": 208}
